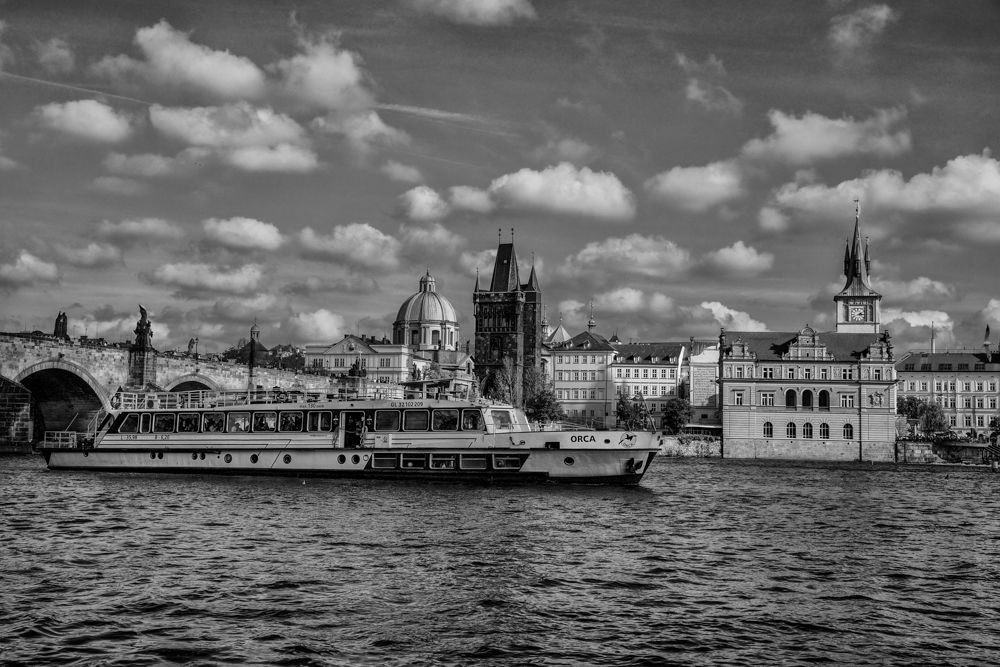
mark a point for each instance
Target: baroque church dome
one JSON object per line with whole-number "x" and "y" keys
{"x": 427, "y": 319}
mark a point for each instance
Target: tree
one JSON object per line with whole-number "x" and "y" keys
{"x": 910, "y": 407}
{"x": 540, "y": 402}
{"x": 932, "y": 419}
{"x": 676, "y": 413}
{"x": 498, "y": 385}
{"x": 631, "y": 413}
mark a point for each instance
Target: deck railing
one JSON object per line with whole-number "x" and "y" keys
{"x": 60, "y": 439}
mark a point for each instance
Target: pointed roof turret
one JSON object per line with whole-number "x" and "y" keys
{"x": 505, "y": 278}
{"x": 532, "y": 285}
{"x": 857, "y": 262}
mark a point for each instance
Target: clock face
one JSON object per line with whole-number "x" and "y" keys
{"x": 857, "y": 313}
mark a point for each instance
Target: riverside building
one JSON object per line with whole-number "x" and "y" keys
{"x": 814, "y": 395}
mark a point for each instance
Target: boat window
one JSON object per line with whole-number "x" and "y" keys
{"x": 238, "y": 422}
{"x": 413, "y": 460}
{"x": 472, "y": 420}
{"x": 265, "y": 421}
{"x": 130, "y": 424}
{"x": 213, "y": 422}
{"x": 502, "y": 420}
{"x": 187, "y": 422}
{"x": 290, "y": 421}
{"x": 163, "y": 423}
{"x": 144, "y": 422}
{"x": 415, "y": 420}
{"x": 473, "y": 462}
{"x": 319, "y": 421}
{"x": 383, "y": 460}
{"x": 445, "y": 420}
{"x": 443, "y": 461}
{"x": 387, "y": 420}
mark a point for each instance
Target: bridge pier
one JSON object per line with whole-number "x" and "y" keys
{"x": 16, "y": 422}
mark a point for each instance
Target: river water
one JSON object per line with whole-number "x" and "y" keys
{"x": 707, "y": 562}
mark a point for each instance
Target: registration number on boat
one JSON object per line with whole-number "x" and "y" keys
{"x": 406, "y": 404}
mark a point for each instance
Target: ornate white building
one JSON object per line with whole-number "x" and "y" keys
{"x": 427, "y": 320}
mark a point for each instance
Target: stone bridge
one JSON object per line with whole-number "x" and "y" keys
{"x": 48, "y": 383}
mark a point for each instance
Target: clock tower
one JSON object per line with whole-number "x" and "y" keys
{"x": 857, "y": 303}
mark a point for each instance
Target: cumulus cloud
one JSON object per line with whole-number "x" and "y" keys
{"x": 738, "y": 259}
{"x": 142, "y": 229}
{"x": 89, "y": 120}
{"x": 150, "y": 165}
{"x": 698, "y": 188}
{"x": 805, "y": 139}
{"x": 466, "y": 198}
{"x": 116, "y": 185}
{"x": 283, "y": 157}
{"x": 478, "y": 12}
{"x": 567, "y": 190}
{"x": 431, "y": 241}
{"x": 55, "y": 56}
{"x": 172, "y": 60}
{"x": 241, "y": 309}
{"x": 233, "y": 125}
{"x": 357, "y": 245}
{"x": 198, "y": 277}
{"x": 734, "y": 320}
{"x": 918, "y": 290}
{"x": 963, "y": 197}
{"x": 401, "y": 172}
{"x": 363, "y": 131}
{"x": 324, "y": 76}
{"x": 635, "y": 254}
{"x": 703, "y": 85}
{"x": 243, "y": 234}
{"x": 852, "y": 34}
{"x": 319, "y": 326}
{"x": 93, "y": 255}
{"x": 423, "y": 203}
{"x": 912, "y": 329}
{"x": 483, "y": 260}
{"x": 27, "y": 270}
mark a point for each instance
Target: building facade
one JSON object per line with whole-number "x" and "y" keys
{"x": 384, "y": 362}
{"x": 508, "y": 317}
{"x": 581, "y": 380}
{"x": 811, "y": 395}
{"x": 653, "y": 373}
{"x": 965, "y": 383}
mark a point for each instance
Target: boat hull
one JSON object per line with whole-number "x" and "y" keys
{"x": 579, "y": 466}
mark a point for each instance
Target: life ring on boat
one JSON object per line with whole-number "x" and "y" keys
{"x": 282, "y": 397}
{"x": 115, "y": 402}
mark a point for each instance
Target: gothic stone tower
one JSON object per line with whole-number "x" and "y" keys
{"x": 857, "y": 303}
{"x": 508, "y": 321}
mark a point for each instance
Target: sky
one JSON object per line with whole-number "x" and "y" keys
{"x": 680, "y": 166}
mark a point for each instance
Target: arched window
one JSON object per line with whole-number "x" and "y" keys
{"x": 790, "y": 398}
{"x": 848, "y": 431}
{"x": 790, "y": 430}
{"x": 807, "y": 400}
{"x": 824, "y": 431}
{"x": 807, "y": 430}
{"x": 824, "y": 400}
{"x": 435, "y": 337}
{"x": 768, "y": 430}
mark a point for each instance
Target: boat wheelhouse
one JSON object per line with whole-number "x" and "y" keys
{"x": 423, "y": 436}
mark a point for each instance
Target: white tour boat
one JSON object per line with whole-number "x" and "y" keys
{"x": 326, "y": 435}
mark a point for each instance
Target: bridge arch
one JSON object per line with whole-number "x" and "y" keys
{"x": 64, "y": 394}
{"x": 193, "y": 382}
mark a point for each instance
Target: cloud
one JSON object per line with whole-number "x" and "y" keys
{"x": 698, "y": 189}
{"x": 566, "y": 149}
{"x": 478, "y": 12}
{"x": 149, "y": 165}
{"x": 918, "y": 290}
{"x": 172, "y": 60}
{"x": 242, "y": 309}
{"x": 703, "y": 87}
{"x": 363, "y": 131}
{"x": 6, "y": 54}
{"x": 116, "y": 185}
{"x": 89, "y": 120}
{"x": 432, "y": 241}
{"x": 243, "y": 234}
{"x": 283, "y": 157}
{"x": 357, "y": 245}
{"x": 401, "y": 172}
{"x": 962, "y": 199}
{"x": 852, "y": 34}
{"x": 650, "y": 256}
{"x": 567, "y": 190}
{"x": 912, "y": 329}
{"x": 55, "y": 56}
{"x": 94, "y": 255}
{"x": 423, "y": 203}
{"x": 142, "y": 229}
{"x": 27, "y": 270}
{"x": 236, "y": 125}
{"x": 197, "y": 277}
{"x": 811, "y": 137}
{"x": 352, "y": 284}
{"x": 734, "y": 320}
{"x": 738, "y": 259}
{"x": 992, "y": 311}
{"x": 324, "y": 76}
{"x": 319, "y": 326}
{"x": 472, "y": 199}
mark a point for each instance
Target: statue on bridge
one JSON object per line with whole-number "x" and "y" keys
{"x": 143, "y": 330}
